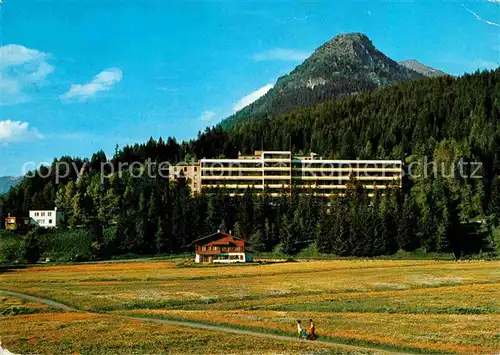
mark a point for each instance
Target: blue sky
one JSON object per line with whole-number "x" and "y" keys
{"x": 79, "y": 76}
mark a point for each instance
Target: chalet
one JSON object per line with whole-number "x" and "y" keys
{"x": 19, "y": 224}
{"x": 221, "y": 248}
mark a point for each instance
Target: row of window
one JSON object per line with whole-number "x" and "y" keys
{"x": 285, "y": 182}
{"x": 347, "y": 174}
{"x": 214, "y": 248}
{"x": 229, "y": 257}
{"x": 222, "y": 257}
{"x": 257, "y": 170}
{"x": 277, "y": 175}
{"x": 42, "y": 214}
{"x": 299, "y": 165}
{"x": 340, "y": 165}
{"x": 42, "y": 221}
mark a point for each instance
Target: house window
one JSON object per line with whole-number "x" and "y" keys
{"x": 43, "y": 214}
{"x": 50, "y": 221}
{"x": 195, "y": 168}
{"x": 49, "y": 214}
{"x": 37, "y": 214}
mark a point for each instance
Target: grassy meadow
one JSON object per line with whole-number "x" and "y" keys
{"x": 86, "y": 333}
{"x": 410, "y": 306}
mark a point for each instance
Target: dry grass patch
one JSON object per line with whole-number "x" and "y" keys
{"x": 14, "y": 306}
{"x": 77, "y": 333}
{"x": 162, "y": 284}
{"x": 397, "y": 303}
{"x": 464, "y": 334}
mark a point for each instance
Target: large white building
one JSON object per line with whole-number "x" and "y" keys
{"x": 47, "y": 218}
{"x": 279, "y": 171}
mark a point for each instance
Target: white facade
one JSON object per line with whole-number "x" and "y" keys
{"x": 228, "y": 258}
{"x": 280, "y": 170}
{"x": 47, "y": 218}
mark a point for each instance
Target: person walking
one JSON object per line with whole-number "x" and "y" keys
{"x": 300, "y": 331}
{"x": 312, "y": 329}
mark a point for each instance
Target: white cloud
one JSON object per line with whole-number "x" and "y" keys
{"x": 103, "y": 81}
{"x": 494, "y": 1}
{"x": 247, "y": 100}
{"x": 21, "y": 70}
{"x": 484, "y": 64}
{"x": 480, "y": 18}
{"x": 290, "y": 55}
{"x": 16, "y": 131}
{"x": 207, "y": 115}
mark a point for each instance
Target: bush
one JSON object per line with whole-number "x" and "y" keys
{"x": 11, "y": 250}
{"x": 311, "y": 251}
{"x": 15, "y": 311}
{"x": 68, "y": 245}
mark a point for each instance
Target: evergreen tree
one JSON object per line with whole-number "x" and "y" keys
{"x": 288, "y": 239}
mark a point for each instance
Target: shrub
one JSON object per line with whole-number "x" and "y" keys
{"x": 11, "y": 250}
{"x": 68, "y": 245}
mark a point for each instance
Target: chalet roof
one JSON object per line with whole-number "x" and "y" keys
{"x": 217, "y": 234}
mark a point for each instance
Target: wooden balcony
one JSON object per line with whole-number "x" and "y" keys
{"x": 219, "y": 250}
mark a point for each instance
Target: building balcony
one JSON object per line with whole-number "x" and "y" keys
{"x": 231, "y": 177}
{"x": 306, "y": 168}
{"x": 233, "y": 186}
{"x": 220, "y": 251}
{"x": 347, "y": 177}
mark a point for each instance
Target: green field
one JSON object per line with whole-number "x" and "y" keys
{"x": 405, "y": 306}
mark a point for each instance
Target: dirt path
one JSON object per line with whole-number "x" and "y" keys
{"x": 46, "y": 301}
{"x": 195, "y": 325}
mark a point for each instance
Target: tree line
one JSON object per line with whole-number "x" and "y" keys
{"x": 447, "y": 121}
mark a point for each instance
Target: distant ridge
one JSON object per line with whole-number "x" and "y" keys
{"x": 347, "y": 64}
{"x": 6, "y": 182}
{"x": 422, "y": 68}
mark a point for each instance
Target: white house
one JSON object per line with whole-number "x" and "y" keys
{"x": 47, "y": 218}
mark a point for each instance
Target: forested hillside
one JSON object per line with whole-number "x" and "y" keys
{"x": 446, "y": 120}
{"x": 347, "y": 64}
{"x": 6, "y": 182}
{"x": 393, "y": 122}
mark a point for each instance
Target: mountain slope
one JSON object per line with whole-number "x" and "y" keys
{"x": 6, "y": 182}
{"x": 422, "y": 68}
{"x": 347, "y": 64}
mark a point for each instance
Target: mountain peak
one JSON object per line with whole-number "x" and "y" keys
{"x": 348, "y": 48}
{"x": 347, "y": 64}
{"x": 353, "y": 37}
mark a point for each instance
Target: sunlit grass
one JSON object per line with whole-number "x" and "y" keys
{"x": 13, "y": 306}
{"x": 433, "y": 333}
{"x": 425, "y": 305}
{"x": 70, "y": 333}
